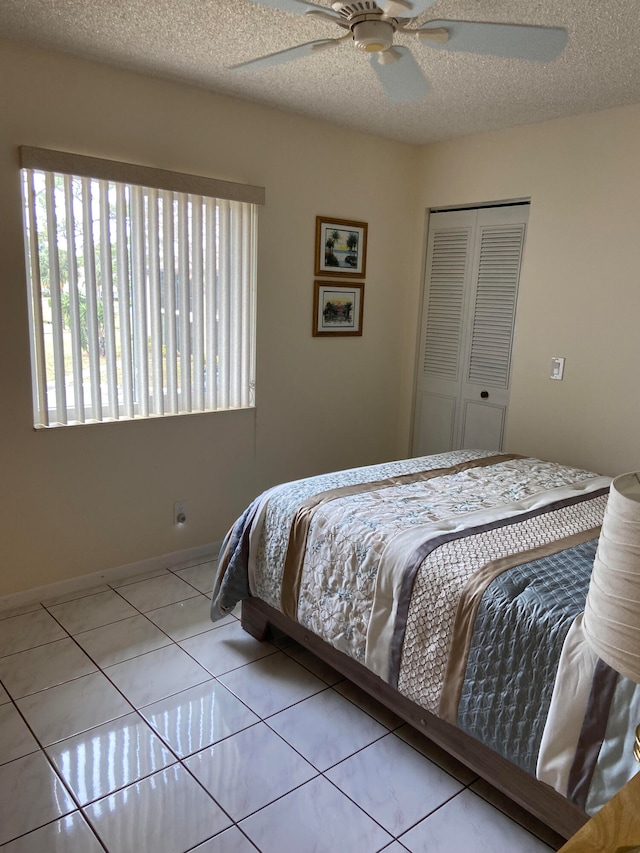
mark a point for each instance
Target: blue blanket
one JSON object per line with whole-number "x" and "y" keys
{"x": 520, "y": 627}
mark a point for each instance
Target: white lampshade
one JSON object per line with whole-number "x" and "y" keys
{"x": 612, "y": 610}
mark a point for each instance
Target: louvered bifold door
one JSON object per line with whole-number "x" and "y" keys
{"x": 490, "y": 325}
{"x": 440, "y": 369}
{"x": 471, "y": 288}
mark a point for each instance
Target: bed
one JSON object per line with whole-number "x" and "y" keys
{"x": 452, "y": 587}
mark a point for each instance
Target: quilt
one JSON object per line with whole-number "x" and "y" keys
{"x": 459, "y": 579}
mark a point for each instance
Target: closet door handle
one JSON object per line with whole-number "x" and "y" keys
{"x": 484, "y": 395}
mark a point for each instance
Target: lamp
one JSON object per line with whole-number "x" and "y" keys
{"x": 612, "y": 610}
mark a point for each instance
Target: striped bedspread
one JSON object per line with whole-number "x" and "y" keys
{"x": 442, "y": 575}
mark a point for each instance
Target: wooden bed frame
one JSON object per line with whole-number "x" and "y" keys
{"x": 537, "y": 798}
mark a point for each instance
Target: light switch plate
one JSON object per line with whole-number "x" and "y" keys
{"x": 557, "y": 368}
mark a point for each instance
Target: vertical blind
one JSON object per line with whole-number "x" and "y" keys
{"x": 142, "y": 298}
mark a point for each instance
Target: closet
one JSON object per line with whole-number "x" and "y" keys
{"x": 473, "y": 263}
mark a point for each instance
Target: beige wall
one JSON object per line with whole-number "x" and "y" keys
{"x": 80, "y": 500}
{"x": 580, "y": 284}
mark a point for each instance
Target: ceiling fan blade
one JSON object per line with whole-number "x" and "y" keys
{"x": 402, "y": 81}
{"x": 512, "y": 41}
{"x": 327, "y": 15}
{"x": 404, "y": 8}
{"x": 327, "y": 43}
{"x": 297, "y": 7}
{"x": 282, "y": 56}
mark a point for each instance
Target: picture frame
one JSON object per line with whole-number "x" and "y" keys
{"x": 341, "y": 247}
{"x": 337, "y": 309}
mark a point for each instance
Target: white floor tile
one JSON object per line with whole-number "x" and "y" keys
{"x": 156, "y": 675}
{"x": 122, "y": 766}
{"x": 326, "y": 728}
{"x": 315, "y": 817}
{"x": 69, "y": 834}
{"x": 517, "y": 813}
{"x": 468, "y": 823}
{"x": 111, "y": 756}
{"x": 199, "y": 717}
{"x": 377, "y": 710}
{"x": 201, "y": 577}
{"x": 187, "y": 618}
{"x": 436, "y": 754}
{"x": 16, "y": 739}
{"x": 9, "y": 612}
{"x": 45, "y": 666}
{"x": 92, "y": 611}
{"x": 164, "y": 813}
{"x": 313, "y": 664}
{"x": 157, "y": 592}
{"x": 143, "y": 576}
{"x": 42, "y": 797}
{"x": 393, "y": 783}
{"x": 226, "y": 648}
{"x": 27, "y": 631}
{"x": 250, "y": 769}
{"x": 75, "y": 595}
{"x": 229, "y": 841}
{"x": 122, "y": 640}
{"x": 272, "y": 684}
{"x": 68, "y": 709}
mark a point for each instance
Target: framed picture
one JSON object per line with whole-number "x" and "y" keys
{"x": 341, "y": 247}
{"x": 337, "y": 308}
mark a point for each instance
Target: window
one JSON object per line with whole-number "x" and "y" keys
{"x": 141, "y": 290}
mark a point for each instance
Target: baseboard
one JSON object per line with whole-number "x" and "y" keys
{"x": 175, "y": 560}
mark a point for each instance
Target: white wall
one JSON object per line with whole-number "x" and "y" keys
{"x": 84, "y": 499}
{"x": 580, "y": 284}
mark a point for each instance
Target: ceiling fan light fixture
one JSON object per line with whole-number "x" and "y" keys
{"x": 373, "y": 36}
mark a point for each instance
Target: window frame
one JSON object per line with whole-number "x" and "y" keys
{"x": 159, "y": 190}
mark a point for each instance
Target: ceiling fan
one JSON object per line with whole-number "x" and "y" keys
{"x": 372, "y": 26}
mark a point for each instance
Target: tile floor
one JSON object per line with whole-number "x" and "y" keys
{"x": 131, "y": 723}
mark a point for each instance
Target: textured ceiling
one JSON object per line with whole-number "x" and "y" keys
{"x": 196, "y": 41}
